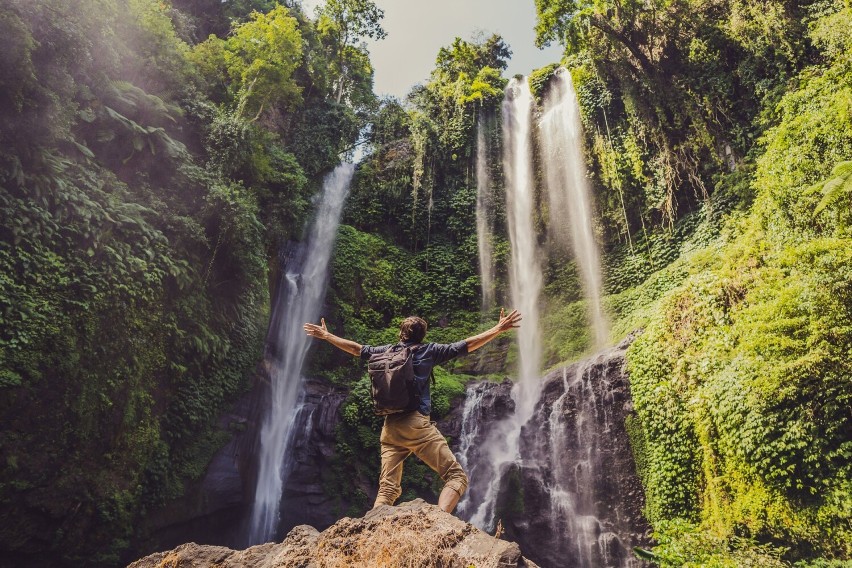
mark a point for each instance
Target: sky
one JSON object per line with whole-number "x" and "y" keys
{"x": 417, "y": 29}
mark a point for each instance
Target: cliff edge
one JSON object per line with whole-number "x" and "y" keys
{"x": 413, "y": 534}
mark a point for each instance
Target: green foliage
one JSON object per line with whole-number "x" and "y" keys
{"x": 565, "y": 331}
{"x": 341, "y": 25}
{"x": 447, "y": 387}
{"x": 152, "y": 55}
{"x": 813, "y": 137}
{"x": 376, "y": 284}
{"x": 682, "y": 545}
{"x": 539, "y": 78}
{"x": 467, "y": 77}
{"x": 137, "y": 218}
{"x": 741, "y": 379}
{"x": 838, "y": 186}
{"x": 739, "y": 384}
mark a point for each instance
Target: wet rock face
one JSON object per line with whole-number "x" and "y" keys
{"x": 304, "y": 500}
{"x": 212, "y": 509}
{"x": 573, "y": 500}
{"x": 495, "y": 403}
{"x": 412, "y": 534}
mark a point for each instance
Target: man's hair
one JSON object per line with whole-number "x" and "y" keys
{"x": 413, "y": 329}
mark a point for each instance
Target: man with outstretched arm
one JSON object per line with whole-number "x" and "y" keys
{"x": 412, "y": 432}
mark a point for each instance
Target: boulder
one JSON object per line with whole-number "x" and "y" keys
{"x": 412, "y": 534}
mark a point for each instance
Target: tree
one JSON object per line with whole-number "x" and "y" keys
{"x": 341, "y": 24}
{"x": 256, "y": 64}
{"x": 467, "y": 77}
{"x": 471, "y": 56}
{"x": 632, "y": 24}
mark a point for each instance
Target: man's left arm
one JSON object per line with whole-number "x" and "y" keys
{"x": 321, "y": 332}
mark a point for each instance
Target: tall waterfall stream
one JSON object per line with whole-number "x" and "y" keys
{"x": 299, "y": 298}
{"x": 525, "y": 282}
{"x": 569, "y": 195}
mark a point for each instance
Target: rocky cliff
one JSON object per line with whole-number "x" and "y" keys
{"x": 412, "y": 535}
{"x": 211, "y": 510}
{"x": 572, "y": 499}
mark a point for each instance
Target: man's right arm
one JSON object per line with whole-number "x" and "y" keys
{"x": 320, "y": 332}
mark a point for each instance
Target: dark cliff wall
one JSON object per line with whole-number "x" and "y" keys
{"x": 215, "y": 509}
{"x": 573, "y": 499}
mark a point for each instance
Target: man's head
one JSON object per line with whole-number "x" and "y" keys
{"x": 413, "y": 329}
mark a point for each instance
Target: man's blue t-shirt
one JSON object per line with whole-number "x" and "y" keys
{"x": 424, "y": 358}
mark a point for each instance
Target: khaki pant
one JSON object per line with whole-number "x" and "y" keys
{"x": 411, "y": 432}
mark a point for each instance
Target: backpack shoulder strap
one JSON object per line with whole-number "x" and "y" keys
{"x": 415, "y": 347}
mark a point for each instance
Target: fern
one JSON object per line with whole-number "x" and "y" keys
{"x": 840, "y": 183}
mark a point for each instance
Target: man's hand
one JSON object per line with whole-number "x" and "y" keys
{"x": 318, "y": 331}
{"x": 512, "y": 321}
{"x": 321, "y": 332}
{"x": 506, "y": 323}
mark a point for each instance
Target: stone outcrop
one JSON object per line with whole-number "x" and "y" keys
{"x": 414, "y": 534}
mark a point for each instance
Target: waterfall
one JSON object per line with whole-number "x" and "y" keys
{"x": 576, "y": 441}
{"x": 298, "y": 300}
{"x": 471, "y": 414}
{"x": 568, "y": 192}
{"x": 500, "y": 449}
{"x": 483, "y": 221}
{"x": 573, "y": 489}
{"x": 557, "y": 468}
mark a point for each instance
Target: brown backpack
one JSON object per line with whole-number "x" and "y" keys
{"x": 392, "y": 377}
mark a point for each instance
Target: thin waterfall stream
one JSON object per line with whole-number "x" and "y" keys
{"x": 484, "y": 227}
{"x": 299, "y": 298}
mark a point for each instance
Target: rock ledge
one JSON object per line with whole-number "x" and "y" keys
{"x": 413, "y": 534}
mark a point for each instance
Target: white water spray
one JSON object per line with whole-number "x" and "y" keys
{"x": 483, "y": 222}
{"x": 569, "y": 194}
{"x": 298, "y": 301}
